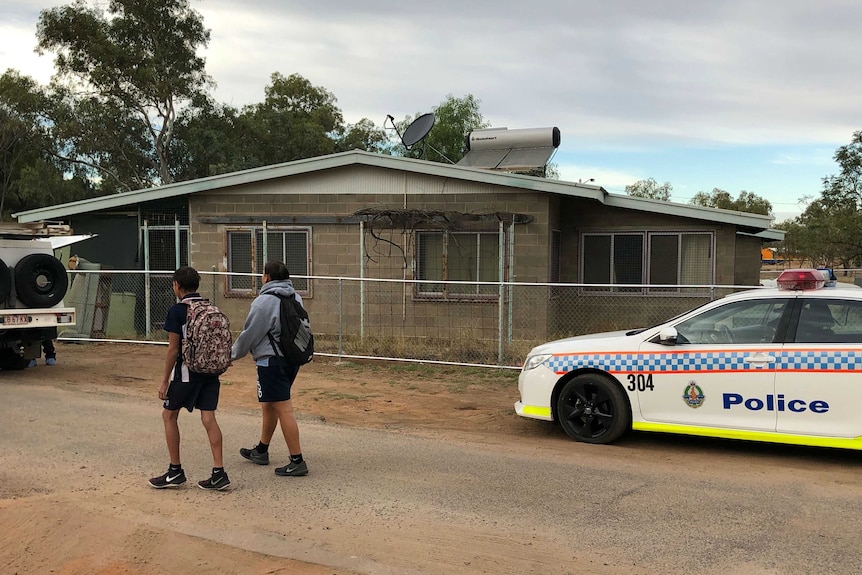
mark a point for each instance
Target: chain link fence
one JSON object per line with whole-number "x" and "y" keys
{"x": 476, "y": 323}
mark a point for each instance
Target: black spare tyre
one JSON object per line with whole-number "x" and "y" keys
{"x": 40, "y": 280}
{"x": 5, "y": 281}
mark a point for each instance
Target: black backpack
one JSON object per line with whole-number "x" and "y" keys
{"x": 296, "y": 343}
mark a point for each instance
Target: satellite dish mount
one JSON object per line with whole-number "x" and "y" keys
{"x": 416, "y": 133}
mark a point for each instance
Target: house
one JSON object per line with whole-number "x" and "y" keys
{"x": 363, "y": 215}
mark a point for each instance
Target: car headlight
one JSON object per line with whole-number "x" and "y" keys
{"x": 535, "y": 361}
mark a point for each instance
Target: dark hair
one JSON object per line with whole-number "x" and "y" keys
{"x": 187, "y": 278}
{"x": 276, "y": 270}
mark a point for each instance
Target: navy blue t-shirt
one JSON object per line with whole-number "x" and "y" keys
{"x": 176, "y": 318}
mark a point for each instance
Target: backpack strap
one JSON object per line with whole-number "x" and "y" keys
{"x": 269, "y": 334}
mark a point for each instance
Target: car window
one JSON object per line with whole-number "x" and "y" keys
{"x": 830, "y": 321}
{"x": 752, "y": 321}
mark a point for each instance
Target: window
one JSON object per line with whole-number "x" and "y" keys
{"x": 680, "y": 259}
{"x": 663, "y": 258}
{"x": 245, "y": 249}
{"x": 754, "y": 321}
{"x": 457, "y": 256}
{"x": 830, "y": 321}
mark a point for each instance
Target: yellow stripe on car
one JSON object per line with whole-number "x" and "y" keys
{"x": 812, "y": 441}
{"x": 536, "y": 411}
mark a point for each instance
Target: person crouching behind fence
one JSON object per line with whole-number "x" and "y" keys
{"x": 275, "y": 374}
{"x": 181, "y": 387}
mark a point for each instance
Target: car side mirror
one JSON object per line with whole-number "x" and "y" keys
{"x": 667, "y": 336}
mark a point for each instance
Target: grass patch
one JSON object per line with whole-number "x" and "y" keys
{"x": 425, "y": 377}
{"x": 340, "y": 395}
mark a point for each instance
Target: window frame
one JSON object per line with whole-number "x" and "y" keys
{"x": 646, "y": 261}
{"x": 257, "y": 267}
{"x": 420, "y": 288}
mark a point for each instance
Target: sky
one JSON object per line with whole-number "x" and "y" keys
{"x": 730, "y": 94}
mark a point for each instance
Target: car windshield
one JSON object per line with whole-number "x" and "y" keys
{"x": 669, "y": 320}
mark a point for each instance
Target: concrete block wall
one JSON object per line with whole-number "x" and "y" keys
{"x": 336, "y": 247}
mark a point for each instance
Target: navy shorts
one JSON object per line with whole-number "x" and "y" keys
{"x": 275, "y": 380}
{"x": 199, "y": 393}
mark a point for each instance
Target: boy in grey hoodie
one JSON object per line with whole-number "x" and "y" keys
{"x": 275, "y": 374}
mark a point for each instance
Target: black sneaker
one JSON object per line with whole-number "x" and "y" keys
{"x": 169, "y": 479}
{"x": 292, "y": 469}
{"x": 255, "y": 456}
{"x": 215, "y": 483}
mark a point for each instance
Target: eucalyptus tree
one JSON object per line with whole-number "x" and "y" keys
{"x": 123, "y": 71}
{"x": 650, "y": 189}
{"x": 744, "y": 202}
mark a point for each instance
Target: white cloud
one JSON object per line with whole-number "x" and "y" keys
{"x": 611, "y": 180}
{"x": 614, "y": 75}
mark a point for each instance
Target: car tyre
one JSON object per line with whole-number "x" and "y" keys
{"x": 40, "y": 280}
{"x": 594, "y": 409}
{"x": 5, "y": 281}
{"x": 11, "y": 361}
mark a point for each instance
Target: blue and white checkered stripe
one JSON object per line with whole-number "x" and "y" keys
{"x": 806, "y": 360}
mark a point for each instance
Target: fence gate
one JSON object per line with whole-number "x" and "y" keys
{"x": 166, "y": 248}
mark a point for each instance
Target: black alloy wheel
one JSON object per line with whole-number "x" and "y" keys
{"x": 594, "y": 409}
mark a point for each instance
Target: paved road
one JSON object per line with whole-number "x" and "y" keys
{"x": 382, "y": 502}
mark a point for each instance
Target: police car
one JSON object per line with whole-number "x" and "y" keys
{"x": 779, "y": 364}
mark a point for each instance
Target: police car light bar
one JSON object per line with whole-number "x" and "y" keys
{"x": 801, "y": 279}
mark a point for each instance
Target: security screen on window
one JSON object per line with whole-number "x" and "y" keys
{"x": 655, "y": 258}
{"x": 458, "y": 256}
{"x": 613, "y": 258}
{"x": 245, "y": 255}
{"x": 290, "y": 247}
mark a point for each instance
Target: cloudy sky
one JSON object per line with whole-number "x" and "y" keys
{"x": 731, "y": 94}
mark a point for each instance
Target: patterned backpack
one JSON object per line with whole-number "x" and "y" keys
{"x": 207, "y": 341}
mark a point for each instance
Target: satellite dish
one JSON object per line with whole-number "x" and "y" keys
{"x": 416, "y": 131}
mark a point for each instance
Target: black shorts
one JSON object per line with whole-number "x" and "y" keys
{"x": 199, "y": 393}
{"x": 275, "y": 380}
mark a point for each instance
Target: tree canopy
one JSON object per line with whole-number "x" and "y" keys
{"x": 650, "y": 189}
{"x": 121, "y": 76}
{"x": 31, "y": 169}
{"x": 829, "y": 231}
{"x": 454, "y": 119}
{"x": 744, "y": 202}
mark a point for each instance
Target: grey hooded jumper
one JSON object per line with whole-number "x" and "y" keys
{"x": 263, "y": 318}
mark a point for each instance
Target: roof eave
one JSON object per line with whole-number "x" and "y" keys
{"x": 743, "y": 220}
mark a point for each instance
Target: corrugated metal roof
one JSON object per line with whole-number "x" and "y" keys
{"x": 747, "y": 222}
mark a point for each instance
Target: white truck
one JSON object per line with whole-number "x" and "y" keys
{"x": 32, "y": 285}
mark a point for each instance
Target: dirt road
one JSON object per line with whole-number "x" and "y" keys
{"x": 413, "y": 470}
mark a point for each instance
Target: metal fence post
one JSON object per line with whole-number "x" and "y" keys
{"x": 362, "y": 279}
{"x": 501, "y": 244}
{"x": 177, "y": 243}
{"x": 340, "y": 317}
{"x": 265, "y": 248}
{"x": 147, "y": 294}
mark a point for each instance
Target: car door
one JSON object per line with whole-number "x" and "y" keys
{"x": 721, "y": 371}
{"x": 817, "y": 382}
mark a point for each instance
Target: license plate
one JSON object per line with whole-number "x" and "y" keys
{"x": 16, "y": 319}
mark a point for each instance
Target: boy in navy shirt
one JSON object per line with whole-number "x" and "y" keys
{"x": 183, "y": 388}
